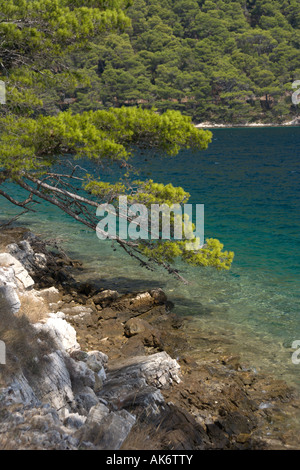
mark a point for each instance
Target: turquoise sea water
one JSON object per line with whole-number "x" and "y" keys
{"x": 249, "y": 182}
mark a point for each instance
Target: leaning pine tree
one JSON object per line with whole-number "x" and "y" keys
{"x": 40, "y": 146}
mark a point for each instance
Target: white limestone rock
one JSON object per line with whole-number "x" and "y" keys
{"x": 55, "y": 385}
{"x": 60, "y": 331}
{"x": 74, "y": 420}
{"x": 18, "y": 392}
{"x": 85, "y": 399}
{"x": 159, "y": 369}
{"x": 107, "y": 430}
{"x": 27, "y": 257}
{"x": 97, "y": 361}
{"x": 138, "y": 380}
{"x": 21, "y": 274}
{"x": 9, "y": 299}
{"x": 50, "y": 295}
{"x": 77, "y": 312}
{"x": 13, "y": 279}
{"x": 81, "y": 374}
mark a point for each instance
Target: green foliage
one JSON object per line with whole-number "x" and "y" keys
{"x": 157, "y": 193}
{"x": 45, "y": 32}
{"x": 99, "y": 135}
{"x": 210, "y": 254}
{"x": 58, "y": 54}
{"x": 203, "y": 58}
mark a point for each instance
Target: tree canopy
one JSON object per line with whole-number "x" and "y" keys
{"x": 40, "y": 145}
{"x": 218, "y": 60}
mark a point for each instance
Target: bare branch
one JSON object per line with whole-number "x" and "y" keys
{"x": 65, "y": 200}
{"x": 17, "y": 203}
{"x": 57, "y": 175}
{"x": 129, "y": 247}
{"x": 61, "y": 191}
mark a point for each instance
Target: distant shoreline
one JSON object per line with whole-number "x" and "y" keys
{"x": 212, "y": 125}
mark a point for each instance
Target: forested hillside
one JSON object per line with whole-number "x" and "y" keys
{"x": 222, "y": 61}
{"x": 215, "y": 60}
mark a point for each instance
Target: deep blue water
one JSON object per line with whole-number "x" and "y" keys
{"x": 249, "y": 182}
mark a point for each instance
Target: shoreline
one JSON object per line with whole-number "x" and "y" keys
{"x": 212, "y": 125}
{"x": 218, "y": 403}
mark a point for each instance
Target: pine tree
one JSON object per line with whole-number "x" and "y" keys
{"x": 39, "y": 145}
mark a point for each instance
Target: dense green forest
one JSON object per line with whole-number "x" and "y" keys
{"x": 215, "y": 60}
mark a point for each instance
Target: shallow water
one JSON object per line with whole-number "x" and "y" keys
{"x": 248, "y": 180}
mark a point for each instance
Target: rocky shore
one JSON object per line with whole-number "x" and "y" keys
{"x": 90, "y": 368}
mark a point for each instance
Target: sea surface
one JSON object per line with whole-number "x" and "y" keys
{"x": 249, "y": 182}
